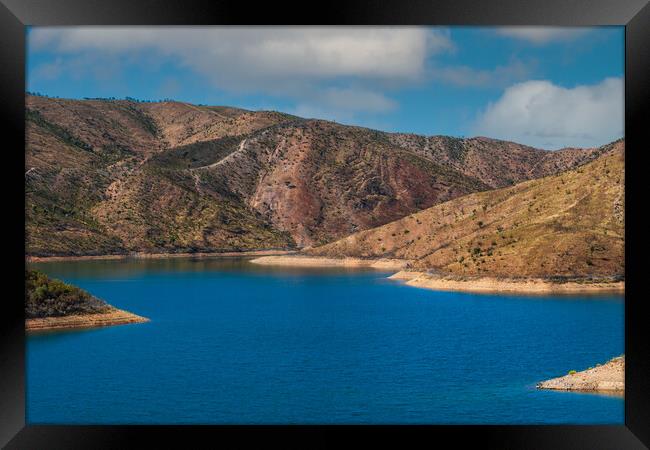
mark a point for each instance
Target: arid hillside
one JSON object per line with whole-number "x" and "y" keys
{"x": 567, "y": 225}
{"x": 91, "y": 189}
{"x": 117, "y": 176}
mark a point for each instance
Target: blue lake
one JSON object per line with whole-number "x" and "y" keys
{"x": 232, "y": 342}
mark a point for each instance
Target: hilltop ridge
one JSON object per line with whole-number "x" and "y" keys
{"x": 119, "y": 176}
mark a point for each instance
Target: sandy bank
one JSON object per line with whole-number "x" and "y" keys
{"x": 113, "y": 317}
{"x": 158, "y": 255}
{"x": 610, "y": 377}
{"x": 495, "y": 285}
{"x": 317, "y": 261}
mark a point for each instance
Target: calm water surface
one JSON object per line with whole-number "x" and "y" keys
{"x": 232, "y": 342}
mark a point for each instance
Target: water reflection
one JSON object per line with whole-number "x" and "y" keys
{"x": 136, "y": 267}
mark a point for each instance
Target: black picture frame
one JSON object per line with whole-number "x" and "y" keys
{"x": 16, "y": 14}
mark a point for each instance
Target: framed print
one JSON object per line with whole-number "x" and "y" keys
{"x": 387, "y": 221}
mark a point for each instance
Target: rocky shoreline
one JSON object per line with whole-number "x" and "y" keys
{"x": 317, "y": 261}
{"x": 113, "y": 317}
{"x": 496, "y": 285}
{"x": 606, "y": 378}
{"x": 250, "y": 253}
{"x": 450, "y": 283}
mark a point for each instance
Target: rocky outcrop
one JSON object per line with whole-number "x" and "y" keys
{"x": 112, "y": 317}
{"x": 609, "y": 377}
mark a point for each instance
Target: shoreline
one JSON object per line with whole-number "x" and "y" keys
{"x": 425, "y": 280}
{"x": 319, "y": 261}
{"x": 142, "y": 255}
{"x": 495, "y": 285}
{"x": 606, "y": 378}
{"x": 81, "y": 321}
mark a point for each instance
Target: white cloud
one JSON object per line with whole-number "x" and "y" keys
{"x": 500, "y": 76}
{"x": 543, "y": 35}
{"x": 307, "y": 64}
{"x": 542, "y": 114}
{"x": 247, "y": 55}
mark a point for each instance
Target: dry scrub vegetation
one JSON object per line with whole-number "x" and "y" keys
{"x": 562, "y": 226}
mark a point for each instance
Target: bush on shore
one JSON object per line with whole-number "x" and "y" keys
{"x": 46, "y": 297}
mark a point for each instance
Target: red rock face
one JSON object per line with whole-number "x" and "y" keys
{"x": 284, "y": 193}
{"x": 323, "y": 181}
{"x": 116, "y": 176}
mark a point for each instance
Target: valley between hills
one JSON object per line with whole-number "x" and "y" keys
{"x": 121, "y": 177}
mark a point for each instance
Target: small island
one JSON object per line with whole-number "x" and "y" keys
{"x": 51, "y": 304}
{"x": 606, "y": 378}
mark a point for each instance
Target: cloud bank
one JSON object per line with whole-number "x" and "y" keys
{"x": 306, "y": 63}
{"x": 264, "y": 52}
{"x": 542, "y": 114}
{"x": 340, "y": 73}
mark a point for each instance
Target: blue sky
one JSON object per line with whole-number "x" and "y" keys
{"x": 545, "y": 87}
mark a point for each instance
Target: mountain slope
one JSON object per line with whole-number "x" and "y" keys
{"x": 494, "y": 162}
{"x": 89, "y": 189}
{"x": 571, "y": 224}
{"x": 116, "y": 176}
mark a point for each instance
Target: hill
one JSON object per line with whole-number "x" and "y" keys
{"x": 568, "y": 225}
{"x": 120, "y": 176}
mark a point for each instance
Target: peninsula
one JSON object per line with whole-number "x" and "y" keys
{"x": 51, "y": 304}
{"x": 609, "y": 377}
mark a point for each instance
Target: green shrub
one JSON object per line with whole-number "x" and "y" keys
{"x": 571, "y": 372}
{"x": 46, "y": 297}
